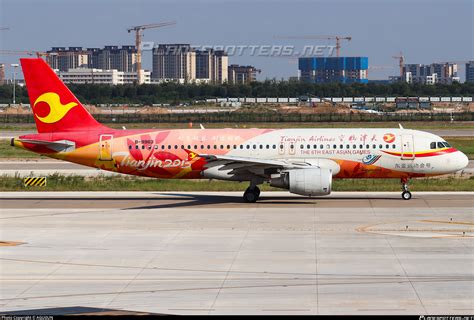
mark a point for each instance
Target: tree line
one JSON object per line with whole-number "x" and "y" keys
{"x": 174, "y": 93}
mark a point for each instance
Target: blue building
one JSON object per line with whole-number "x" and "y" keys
{"x": 470, "y": 71}
{"x": 332, "y": 69}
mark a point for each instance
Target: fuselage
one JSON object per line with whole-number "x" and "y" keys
{"x": 174, "y": 154}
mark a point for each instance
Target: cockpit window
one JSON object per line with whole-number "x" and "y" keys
{"x": 433, "y": 145}
{"x": 447, "y": 145}
{"x": 440, "y": 145}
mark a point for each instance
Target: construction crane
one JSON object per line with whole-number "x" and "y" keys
{"x": 401, "y": 63}
{"x": 337, "y": 38}
{"x": 17, "y": 53}
{"x": 38, "y": 54}
{"x": 138, "y": 41}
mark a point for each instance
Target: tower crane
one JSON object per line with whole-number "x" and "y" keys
{"x": 337, "y": 38}
{"x": 401, "y": 63}
{"x": 138, "y": 41}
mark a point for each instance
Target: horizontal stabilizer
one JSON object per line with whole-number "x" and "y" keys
{"x": 58, "y": 146}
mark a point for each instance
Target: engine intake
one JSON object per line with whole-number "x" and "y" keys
{"x": 306, "y": 182}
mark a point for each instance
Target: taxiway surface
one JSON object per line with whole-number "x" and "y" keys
{"x": 209, "y": 253}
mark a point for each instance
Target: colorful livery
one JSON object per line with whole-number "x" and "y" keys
{"x": 303, "y": 161}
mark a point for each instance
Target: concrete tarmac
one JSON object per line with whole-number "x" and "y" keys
{"x": 47, "y": 166}
{"x": 209, "y": 253}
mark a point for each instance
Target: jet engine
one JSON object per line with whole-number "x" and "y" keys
{"x": 306, "y": 182}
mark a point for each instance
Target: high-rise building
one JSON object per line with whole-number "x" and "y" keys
{"x": 109, "y": 58}
{"x": 431, "y": 73}
{"x": 93, "y": 58}
{"x": 333, "y": 69}
{"x": 175, "y": 62}
{"x": 221, "y": 64}
{"x": 64, "y": 59}
{"x": 204, "y": 64}
{"x": 182, "y": 63}
{"x": 241, "y": 74}
{"x": 211, "y": 66}
{"x": 2, "y": 74}
{"x": 121, "y": 59}
{"x": 470, "y": 72}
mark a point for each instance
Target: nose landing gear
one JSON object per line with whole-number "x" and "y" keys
{"x": 252, "y": 194}
{"x": 406, "y": 195}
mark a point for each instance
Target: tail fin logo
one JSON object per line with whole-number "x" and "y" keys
{"x": 57, "y": 110}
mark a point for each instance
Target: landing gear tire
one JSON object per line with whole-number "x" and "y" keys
{"x": 251, "y": 194}
{"x": 406, "y": 195}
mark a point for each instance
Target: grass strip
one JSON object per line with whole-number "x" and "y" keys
{"x": 59, "y": 182}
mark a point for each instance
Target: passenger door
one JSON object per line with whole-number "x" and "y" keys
{"x": 408, "y": 148}
{"x": 105, "y": 147}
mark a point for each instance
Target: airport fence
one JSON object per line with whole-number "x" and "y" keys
{"x": 237, "y": 117}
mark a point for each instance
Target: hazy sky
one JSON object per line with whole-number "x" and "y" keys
{"x": 425, "y": 30}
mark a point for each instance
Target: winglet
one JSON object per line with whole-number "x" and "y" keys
{"x": 400, "y": 125}
{"x": 202, "y": 127}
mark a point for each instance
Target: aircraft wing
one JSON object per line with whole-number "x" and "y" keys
{"x": 247, "y": 161}
{"x": 263, "y": 167}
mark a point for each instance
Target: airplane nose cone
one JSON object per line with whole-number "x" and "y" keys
{"x": 461, "y": 161}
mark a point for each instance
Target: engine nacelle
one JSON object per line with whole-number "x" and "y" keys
{"x": 306, "y": 182}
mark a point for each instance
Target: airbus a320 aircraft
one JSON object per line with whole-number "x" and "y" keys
{"x": 303, "y": 161}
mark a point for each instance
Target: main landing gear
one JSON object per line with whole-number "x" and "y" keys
{"x": 251, "y": 194}
{"x": 406, "y": 195}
